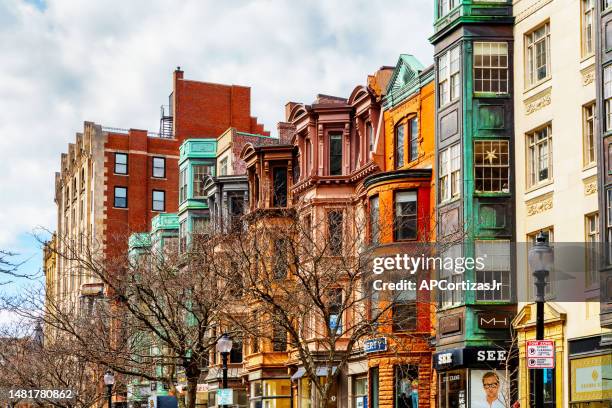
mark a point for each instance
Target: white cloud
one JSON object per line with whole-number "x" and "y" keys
{"x": 111, "y": 62}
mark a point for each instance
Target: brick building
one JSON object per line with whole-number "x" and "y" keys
{"x": 114, "y": 181}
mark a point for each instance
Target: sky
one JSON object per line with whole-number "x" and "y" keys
{"x": 69, "y": 61}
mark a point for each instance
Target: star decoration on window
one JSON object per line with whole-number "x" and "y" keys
{"x": 490, "y": 156}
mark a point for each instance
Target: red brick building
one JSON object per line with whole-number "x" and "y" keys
{"x": 113, "y": 181}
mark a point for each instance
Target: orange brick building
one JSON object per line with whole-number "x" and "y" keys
{"x": 400, "y": 202}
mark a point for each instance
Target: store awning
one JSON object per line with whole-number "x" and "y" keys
{"x": 321, "y": 372}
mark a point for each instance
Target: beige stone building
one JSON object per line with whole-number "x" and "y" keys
{"x": 556, "y": 180}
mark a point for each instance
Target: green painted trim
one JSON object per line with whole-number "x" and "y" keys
{"x": 164, "y": 221}
{"x": 197, "y": 149}
{"x": 139, "y": 240}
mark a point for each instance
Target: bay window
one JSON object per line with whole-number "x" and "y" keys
{"x": 491, "y": 166}
{"x": 491, "y": 67}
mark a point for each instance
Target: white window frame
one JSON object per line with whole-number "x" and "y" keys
{"x": 498, "y": 266}
{"x": 535, "y": 153}
{"x": 588, "y": 135}
{"x": 489, "y": 65}
{"x": 449, "y": 80}
{"x": 450, "y": 173}
{"x": 532, "y": 44}
{"x": 157, "y": 200}
{"x": 587, "y": 34}
{"x": 446, "y": 6}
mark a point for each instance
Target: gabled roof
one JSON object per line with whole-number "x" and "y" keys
{"x": 406, "y": 79}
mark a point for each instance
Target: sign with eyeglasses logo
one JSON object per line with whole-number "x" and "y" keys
{"x": 540, "y": 354}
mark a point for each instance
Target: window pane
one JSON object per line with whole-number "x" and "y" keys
{"x": 405, "y": 221}
{"x": 334, "y": 225}
{"x": 159, "y": 167}
{"x": 121, "y": 163}
{"x": 335, "y": 154}
{"x": 491, "y": 166}
{"x": 120, "y": 199}
{"x": 374, "y": 220}
{"x": 399, "y": 146}
{"x": 279, "y": 175}
{"x": 158, "y": 200}
{"x": 491, "y": 67}
{"x": 200, "y": 171}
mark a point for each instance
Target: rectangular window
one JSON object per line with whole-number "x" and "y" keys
{"x": 200, "y": 172}
{"x": 335, "y": 154}
{"x": 360, "y": 391}
{"x": 588, "y": 16}
{"x": 399, "y": 146}
{"x": 374, "y": 388}
{"x": 606, "y": 4}
{"x": 82, "y": 179}
{"x": 121, "y": 163}
{"x": 405, "y": 220}
{"x": 120, "y": 200}
{"x": 183, "y": 185}
{"x": 413, "y": 128}
{"x": 445, "y": 6}
{"x": 539, "y": 156}
{"x": 449, "y": 82}
{"x": 609, "y": 225}
{"x": 334, "y": 230}
{"x": 450, "y": 298}
{"x": 491, "y": 166}
{"x": 183, "y": 236}
{"x": 281, "y": 247}
{"x": 496, "y": 272}
{"x": 159, "y": 200}
{"x": 235, "y": 355}
{"x": 537, "y": 45}
{"x": 591, "y": 232}
{"x": 223, "y": 167}
{"x": 370, "y": 136}
{"x": 453, "y": 388}
{"x": 279, "y": 338}
{"x": 335, "y": 310}
{"x": 588, "y": 134}
{"x": 404, "y": 376}
{"x": 607, "y": 94}
{"x": 279, "y": 176}
{"x": 450, "y": 173}
{"x": 491, "y": 67}
{"x": 159, "y": 167}
{"x": 374, "y": 220}
{"x": 404, "y": 311}
{"x": 236, "y": 211}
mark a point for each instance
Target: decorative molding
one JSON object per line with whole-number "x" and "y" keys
{"x": 588, "y": 75}
{"x": 530, "y": 10}
{"x": 539, "y": 205}
{"x": 590, "y": 186}
{"x": 538, "y": 101}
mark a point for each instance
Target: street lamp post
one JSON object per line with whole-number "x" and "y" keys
{"x": 540, "y": 261}
{"x": 109, "y": 380}
{"x": 224, "y": 346}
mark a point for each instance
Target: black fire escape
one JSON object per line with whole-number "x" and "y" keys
{"x": 166, "y": 120}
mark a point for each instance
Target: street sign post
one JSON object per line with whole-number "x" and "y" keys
{"x": 540, "y": 354}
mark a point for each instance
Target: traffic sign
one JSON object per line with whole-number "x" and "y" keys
{"x": 540, "y": 354}
{"x": 225, "y": 396}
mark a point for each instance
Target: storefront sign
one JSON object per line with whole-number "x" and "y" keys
{"x": 591, "y": 378}
{"x": 225, "y": 396}
{"x": 540, "y": 354}
{"x": 375, "y": 345}
{"x": 493, "y": 321}
{"x": 450, "y": 324}
{"x": 448, "y": 358}
{"x": 489, "y": 356}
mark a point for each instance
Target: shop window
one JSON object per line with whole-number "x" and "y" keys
{"x": 453, "y": 389}
{"x": 279, "y": 176}
{"x": 335, "y": 154}
{"x": 548, "y": 389}
{"x": 360, "y": 391}
{"x": 305, "y": 392}
{"x": 491, "y": 166}
{"x": 406, "y": 386}
{"x": 405, "y": 217}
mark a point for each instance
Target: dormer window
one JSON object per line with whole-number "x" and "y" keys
{"x": 335, "y": 154}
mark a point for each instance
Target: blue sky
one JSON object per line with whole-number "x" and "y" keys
{"x": 65, "y": 62}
